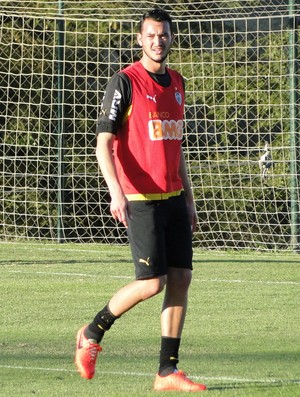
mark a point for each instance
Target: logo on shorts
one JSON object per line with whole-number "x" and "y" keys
{"x": 145, "y": 261}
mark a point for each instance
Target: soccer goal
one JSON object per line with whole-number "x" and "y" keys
{"x": 239, "y": 62}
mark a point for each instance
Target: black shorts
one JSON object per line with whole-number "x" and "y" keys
{"x": 160, "y": 236}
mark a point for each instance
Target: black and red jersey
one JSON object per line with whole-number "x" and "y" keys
{"x": 147, "y": 119}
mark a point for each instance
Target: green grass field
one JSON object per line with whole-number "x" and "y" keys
{"x": 241, "y": 336}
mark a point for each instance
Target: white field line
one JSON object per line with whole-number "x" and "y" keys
{"x": 266, "y": 282}
{"x": 248, "y": 281}
{"x": 67, "y": 274}
{"x": 124, "y": 373}
{"x": 38, "y": 247}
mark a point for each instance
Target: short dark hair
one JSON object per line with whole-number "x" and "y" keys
{"x": 157, "y": 14}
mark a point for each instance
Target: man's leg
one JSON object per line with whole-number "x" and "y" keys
{"x": 172, "y": 321}
{"x": 123, "y": 300}
{"x": 89, "y": 337}
{"x": 172, "y": 317}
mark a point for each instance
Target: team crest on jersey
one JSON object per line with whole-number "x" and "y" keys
{"x": 178, "y": 97}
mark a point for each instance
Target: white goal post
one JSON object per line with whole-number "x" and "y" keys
{"x": 241, "y": 141}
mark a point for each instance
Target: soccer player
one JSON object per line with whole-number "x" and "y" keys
{"x": 139, "y": 136}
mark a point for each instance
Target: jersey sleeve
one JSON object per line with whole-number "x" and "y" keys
{"x": 116, "y": 100}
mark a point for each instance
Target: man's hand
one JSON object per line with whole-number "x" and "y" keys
{"x": 192, "y": 214}
{"x": 119, "y": 208}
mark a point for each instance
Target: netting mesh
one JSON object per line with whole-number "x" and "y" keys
{"x": 236, "y": 60}
{"x": 132, "y": 9}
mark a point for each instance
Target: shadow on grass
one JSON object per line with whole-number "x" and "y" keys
{"x": 257, "y": 385}
{"x": 249, "y": 261}
{"x": 63, "y": 262}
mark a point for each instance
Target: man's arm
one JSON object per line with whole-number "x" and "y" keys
{"x": 188, "y": 192}
{"x": 118, "y": 98}
{"x": 104, "y": 154}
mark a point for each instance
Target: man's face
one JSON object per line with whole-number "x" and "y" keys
{"x": 155, "y": 39}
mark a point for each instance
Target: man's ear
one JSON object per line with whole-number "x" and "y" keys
{"x": 139, "y": 39}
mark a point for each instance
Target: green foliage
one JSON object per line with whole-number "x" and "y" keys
{"x": 237, "y": 77}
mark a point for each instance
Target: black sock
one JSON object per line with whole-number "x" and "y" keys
{"x": 101, "y": 323}
{"x": 168, "y": 355}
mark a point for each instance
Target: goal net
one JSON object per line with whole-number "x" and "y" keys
{"x": 239, "y": 62}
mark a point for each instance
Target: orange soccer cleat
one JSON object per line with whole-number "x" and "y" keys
{"x": 177, "y": 381}
{"x": 86, "y": 355}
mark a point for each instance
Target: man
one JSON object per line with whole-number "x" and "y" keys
{"x": 139, "y": 134}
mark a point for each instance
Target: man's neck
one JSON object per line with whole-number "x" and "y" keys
{"x": 154, "y": 67}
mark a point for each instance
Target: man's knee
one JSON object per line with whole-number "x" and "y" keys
{"x": 179, "y": 278}
{"x": 153, "y": 286}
